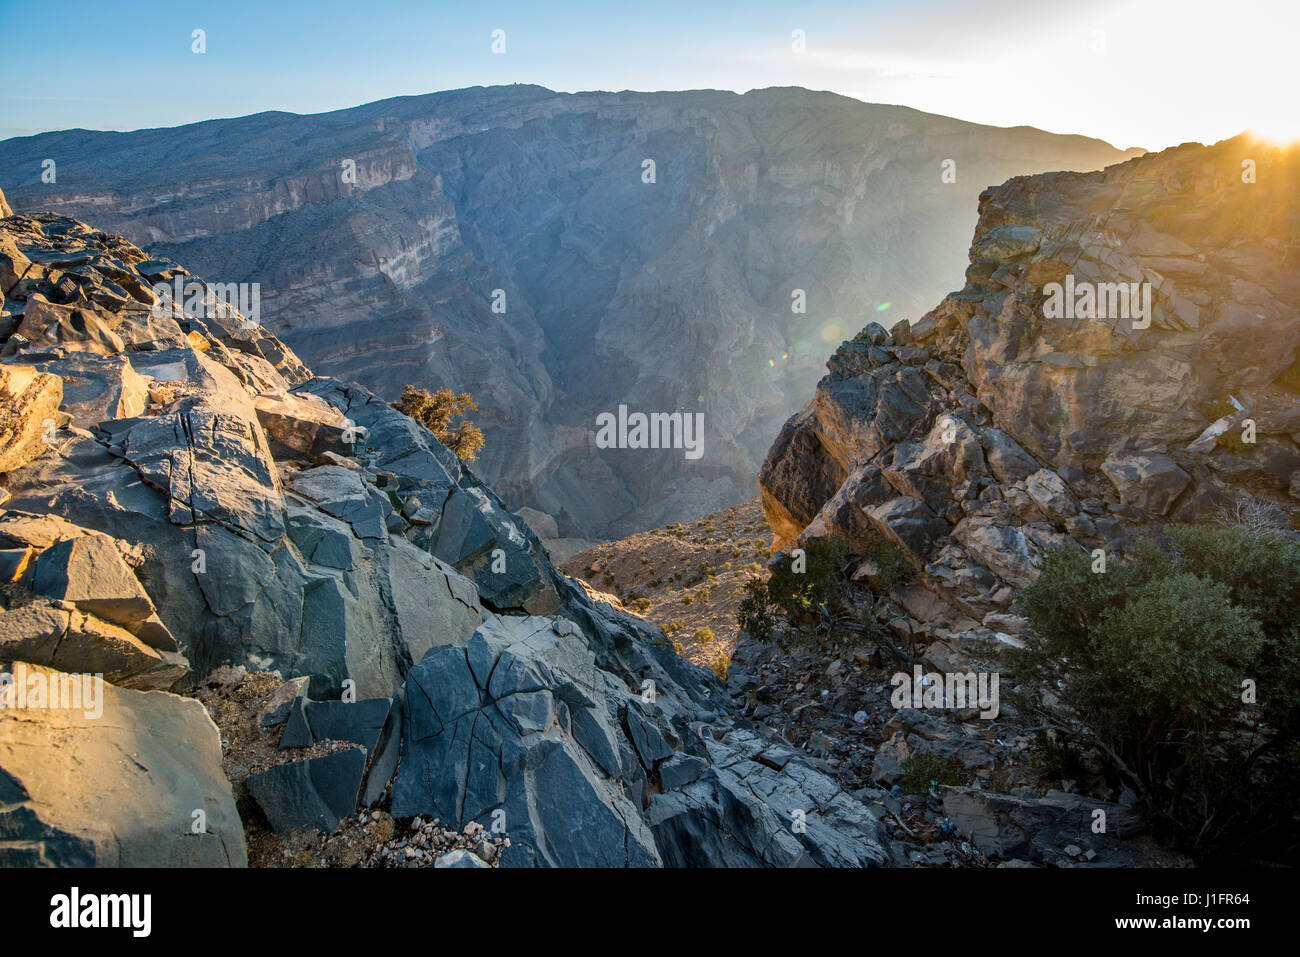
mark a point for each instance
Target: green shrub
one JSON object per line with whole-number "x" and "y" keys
{"x": 436, "y": 410}
{"x": 925, "y": 770}
{"x": 704, "y": 635}
{"x": 797, "y": 593}
{"x": 895, "y": 565}
{"x": 754, "y": 615}
{"x": 800, "y": 601}
{"x": 1148, "y": 661}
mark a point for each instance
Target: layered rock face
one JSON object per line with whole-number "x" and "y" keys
{"x": 512, "y": 242}
{"x": 1015, "y": 415}
{"x": 198, "y": 499}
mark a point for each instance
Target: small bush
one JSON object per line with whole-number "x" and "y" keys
{"x": 704, "y": 635}
{"x": 925, "y": 770}
{"x": 719, "y": 666}
{"x": 1149, "y": 659}
{"x": 799, "y": 592}
{"x": 436, "y": 411}
{"x": 674, "y": 625}
{"x": 754, "y": 615}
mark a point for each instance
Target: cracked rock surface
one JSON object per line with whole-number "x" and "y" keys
{"x": 225, "y": 524}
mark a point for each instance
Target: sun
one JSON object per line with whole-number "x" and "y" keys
{"x": 1280, "y": 132}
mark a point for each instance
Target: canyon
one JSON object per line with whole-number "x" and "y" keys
{"x": 505, "y": 241}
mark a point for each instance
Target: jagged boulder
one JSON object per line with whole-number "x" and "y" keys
{"x": 56, "y": 634}
{"x": 314, "y": 793}
{"x": 134, "y": 781}
{"x": 524, "y": 727}
{"x": 29, "y": 404}
{"x": 533, "y": 741}
{"x": 302, "y": 424}
{"x": 53, "y": 325}
{"x": 89, "y": 572}
{"x": 454, "y": 516}
{"x": 1049, "y": 492}
{"x": 910, "y": 522}
{"x": 96, "y": 388}
{"x": 1148, "y": 482}
{"x": 76, "y": 604}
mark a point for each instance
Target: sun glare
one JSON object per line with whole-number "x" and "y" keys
{"x": 1282, "y": 132}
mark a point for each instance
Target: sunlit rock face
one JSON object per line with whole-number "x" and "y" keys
{"x": 1015, "y": 416}
{"x": 379, "y": 236}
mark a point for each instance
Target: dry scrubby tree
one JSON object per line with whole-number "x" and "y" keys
{"x": 436, "y": 410}
{"x": 819, "y": 603}
{"x": 1150, "y": 661}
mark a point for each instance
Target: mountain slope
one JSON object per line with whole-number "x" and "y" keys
{"x": 183, "y": 499}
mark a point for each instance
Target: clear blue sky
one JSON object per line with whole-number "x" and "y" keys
{"x": 1135, "y": 72}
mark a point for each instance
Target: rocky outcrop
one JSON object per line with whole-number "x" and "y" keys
{"x": 250, "y": 516}
{"x": 1000, "y": 425}
{"x": 503, "y": 241}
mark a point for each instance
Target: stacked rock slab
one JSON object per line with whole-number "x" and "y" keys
{"x": 996, "y": 426}
{"x": 264, "y": 518}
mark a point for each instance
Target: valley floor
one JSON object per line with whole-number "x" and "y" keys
{"x": 687, "y": 578}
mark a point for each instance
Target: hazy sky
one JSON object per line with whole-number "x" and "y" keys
{"x": 1149, "y": 73}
